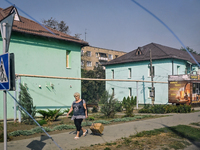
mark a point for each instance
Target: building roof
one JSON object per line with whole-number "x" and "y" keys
{"x": 24, "y": 25}
{"x": 157, "y": 51}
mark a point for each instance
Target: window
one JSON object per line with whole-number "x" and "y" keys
{"x": 68, "y": 59}
{"x": 153, "y": 72}
{"x": 113, "y": 92}
{"x": 116, "y": 56}
{"x": 97, "y": 64}
{"x": 110, "y": 56}
{"x": 89, "y": 53}
{"x": 178, "y": 70}
{"x": 82, "y": 52}
{"x": 82, "y": 62}
{"x": 89, "y": 63}
{"x": 129, "y": 72}
{"x": 130, "y": 92}
{"x": 112, "y": 74}
{"x": 97, "y": 54}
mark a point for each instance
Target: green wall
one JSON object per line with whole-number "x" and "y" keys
{"x": 140, "y": 71}
{"x": 36, "y": 55}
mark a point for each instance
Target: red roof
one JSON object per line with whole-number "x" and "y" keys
{"x": 31, "y": 27}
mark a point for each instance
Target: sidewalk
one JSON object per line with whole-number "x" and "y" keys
{"x": 111, "y": 133}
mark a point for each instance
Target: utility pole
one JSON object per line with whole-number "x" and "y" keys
{"x": 152, "y": 93}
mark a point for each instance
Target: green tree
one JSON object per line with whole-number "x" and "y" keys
{"x": 54, "y": 24}
{"x": 129, "y": 104}
{"x": 189, "y": 49}
{"x": 26, "y": 101}
{"x": 93, "y": 90}
{"x": 109, "y": 106}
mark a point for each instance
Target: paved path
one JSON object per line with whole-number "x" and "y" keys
{"x": 111, "y": 133}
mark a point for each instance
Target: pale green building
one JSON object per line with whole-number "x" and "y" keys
{"x": 39, "y": 52}
{"x": 135, "y": 65}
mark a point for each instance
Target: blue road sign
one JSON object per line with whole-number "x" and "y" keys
{"x": 4, "y": 71}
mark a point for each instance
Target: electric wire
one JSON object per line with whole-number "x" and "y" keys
{"x": 167, "y": 28}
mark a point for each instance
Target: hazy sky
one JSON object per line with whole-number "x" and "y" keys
{"x": 121, "y": 24}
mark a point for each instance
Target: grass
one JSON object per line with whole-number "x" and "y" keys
{"x": 176, "y": 137}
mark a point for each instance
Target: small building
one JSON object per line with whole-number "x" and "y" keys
{"x": 39, "y": 52}
{"x": 93, "y": 56}
{"x": 135, "y": 65}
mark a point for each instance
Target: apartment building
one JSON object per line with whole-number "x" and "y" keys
{"x": 94, "y": 56}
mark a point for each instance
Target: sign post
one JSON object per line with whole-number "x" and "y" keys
{"x": 6, "y": 27}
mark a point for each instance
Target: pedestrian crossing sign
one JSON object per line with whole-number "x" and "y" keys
{"x": 4, "y": 72}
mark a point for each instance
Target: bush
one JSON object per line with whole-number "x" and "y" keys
{"x": 108, "y": 109}
{"x": 94, "y": 109}
{"x": 161, "y": 109}
{"x": 118, "y": 106}
{"x": 26, "y": 101}
{"x": 41, "y": 122}
{"x": 67, "y": 110}
{"x": 50, "y": 115}
{"x": 90, "y": 118}
{"x": 128, "y": 104}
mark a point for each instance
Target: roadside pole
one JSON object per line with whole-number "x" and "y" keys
{"x": 6, "y": 28}
{"x": 4, "y": 92}
{"x": 152, "y": 86}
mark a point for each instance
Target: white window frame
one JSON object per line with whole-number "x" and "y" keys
{"x": 129, "y": 73}
{"x": 89, "y": 64}
{"x": 97, "y": 64}
{"x": 89, "y": 53}
{"x": 178, "y": 70}
{"x": 110, "y": 56}
{"x": 113, "y": 74}
{"x": 113, "y": 92}
{"x": 130, "y": 92}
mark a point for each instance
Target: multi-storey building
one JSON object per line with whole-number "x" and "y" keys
{"x": 94, "y": 56}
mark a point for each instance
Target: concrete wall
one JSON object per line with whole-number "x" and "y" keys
{"x": 43, "y": 56}
{"x": 140, "y": 71}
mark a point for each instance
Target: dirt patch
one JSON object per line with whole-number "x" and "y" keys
{"x": 163, "y": 141}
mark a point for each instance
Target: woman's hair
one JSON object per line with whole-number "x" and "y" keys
{"x": 76, "y": 94}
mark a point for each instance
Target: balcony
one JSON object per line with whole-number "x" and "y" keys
{"x": 103, "y": 59}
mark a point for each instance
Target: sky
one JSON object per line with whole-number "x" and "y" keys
{"x": 121, "y": 24}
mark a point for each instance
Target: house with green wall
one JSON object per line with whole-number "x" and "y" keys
{"x": 135, "y": 65}
{"x": 39, "y": 51}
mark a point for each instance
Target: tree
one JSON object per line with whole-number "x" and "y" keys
{"x": 26, "y": 101}
{"x": 189, "y": 49}
{"x": 128, "y": 104}
{"x": 109, "y": 106}
{"x": 54, "y": 24}
{"x": 92, "y": 90}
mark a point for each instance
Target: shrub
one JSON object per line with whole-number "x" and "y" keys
{"x": 108, "y": 109}
{"x": 128, "y": 104}
{"x": 64, "y": 127}
{"x": 67, "y": 110}
{"x": 90, "y": 118}
{"x": 161, "y": 109}
{"x": 41, "y": 122}
{"x": 94, "y": 109}
{"x": 118, "y": 106}
{"x": 26, "y": 101}
{"x": 50, "y": 115}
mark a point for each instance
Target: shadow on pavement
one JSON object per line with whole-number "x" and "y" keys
{"x": 38, "y": 145}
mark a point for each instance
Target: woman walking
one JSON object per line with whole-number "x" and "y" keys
{"x": 80, "y": 113}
